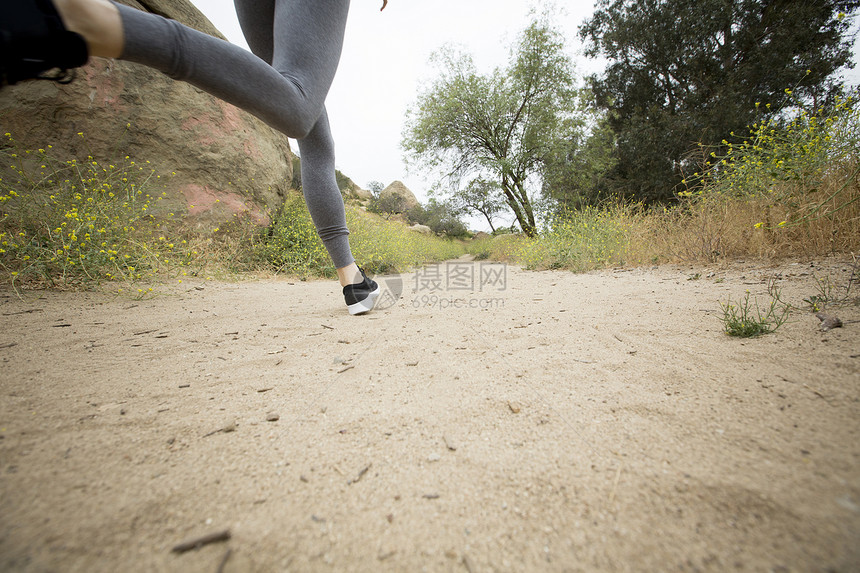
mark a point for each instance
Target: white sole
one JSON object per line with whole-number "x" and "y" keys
{"x": 366, "y": 304}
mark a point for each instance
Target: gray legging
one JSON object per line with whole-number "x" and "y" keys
{"x": 297, "y": 46}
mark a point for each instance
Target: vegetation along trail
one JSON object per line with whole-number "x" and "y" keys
{"x": 537, "y": 421}
{"x": 485, "y": 416}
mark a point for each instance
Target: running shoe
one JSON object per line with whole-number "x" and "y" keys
{"x": 361, "y": 297}
{"x": 34, "y": 43}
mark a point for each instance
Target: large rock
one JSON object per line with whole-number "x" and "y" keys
{"x": 351, "y": 191}
{"x": 423, "y": 229}
{"x": 397, "y": 198}
{"x": 225, "y": 161}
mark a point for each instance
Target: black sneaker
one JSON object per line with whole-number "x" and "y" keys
{"x": 360, "y": 297}
{"x": 34, "y": 41}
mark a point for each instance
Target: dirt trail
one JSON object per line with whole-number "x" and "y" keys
{"x": 542, "y": 421}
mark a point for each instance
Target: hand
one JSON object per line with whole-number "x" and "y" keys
{"x": 384, "y": 4}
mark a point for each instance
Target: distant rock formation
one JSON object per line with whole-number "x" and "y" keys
{"x": 397, "y": 198}
{"x": 351, "y": 191}
{"x": 362, "y": 196}
{"x": 225, "y": 160}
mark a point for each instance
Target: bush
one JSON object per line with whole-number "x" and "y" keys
{"x": 292, "y": 245}
{"x": 577, "y": 240}
{"x": 440, "y": 217}
{"x": 69, "y": 223}
{"x": 789, "y": 187}
{"x": 388, "y": 246}
{"x": 378, "y": 245}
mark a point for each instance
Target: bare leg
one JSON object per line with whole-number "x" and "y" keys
{"x": 98, "y": 21}
{"x": 349, "y": 275}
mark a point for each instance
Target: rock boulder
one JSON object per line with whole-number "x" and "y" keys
{"x": 423, "y": 229}
{"x": 397, "y": 198}
{"x": 351, "y": 191}
{"x": 214, "y": 160}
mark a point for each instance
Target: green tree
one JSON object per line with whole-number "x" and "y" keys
{"x": 387, "y": 205}
{"x": 440, "y": 216}
{"x": 576, "y": 172}
{"x": 375, "y": 187}
{"x": 684, "y": 72}
{"x": 480, "y": 197}
{"x": 500, "y": 126}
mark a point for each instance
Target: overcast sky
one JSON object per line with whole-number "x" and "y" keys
{"x": 385, "y": 60}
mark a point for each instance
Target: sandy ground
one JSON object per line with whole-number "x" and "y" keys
{"x": 538, "y": 422}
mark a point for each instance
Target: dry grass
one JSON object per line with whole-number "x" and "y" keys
{"x": 714, "y": 227}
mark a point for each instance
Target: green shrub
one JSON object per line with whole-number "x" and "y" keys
{"x": 293, "y": 245}
{"x": 70, "y": 223}
{"x": 745, "y": 319}
{"x": 577, "y": 240}
{"x": 378, "y": 245}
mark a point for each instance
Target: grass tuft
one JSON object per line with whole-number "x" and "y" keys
{"x": 746, "y": 319}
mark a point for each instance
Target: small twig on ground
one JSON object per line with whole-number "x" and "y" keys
{"x": 32, "y": 310}
{"x": 615, "y": 484}
{"x": 360, "y": 475}
{"x": 816, "y": 392}
{"x": 224, "y": 561}
{"x": 231, "y": 427}
{"x": 201, "y": 541}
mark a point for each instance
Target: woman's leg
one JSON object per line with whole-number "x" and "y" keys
{"x": 98, "y": 21}
{"x": 322, "y": 195}
{"x": 278, "y": 31}
{"x": 289, "y": 99}
{"x": 297, "y": 45}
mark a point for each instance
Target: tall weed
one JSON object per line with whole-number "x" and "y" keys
{"x": 790, "y": 187}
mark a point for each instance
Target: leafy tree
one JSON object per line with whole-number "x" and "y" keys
{"x": 501, "y": 126}
{"x": 375, "y": 187}
{"x": 387, "y": 205}
{"x": 440, "y": 216}
{"x": 684, "y": 72}
{"x": 480, "y": 197}
{"x": 575, "y": 174}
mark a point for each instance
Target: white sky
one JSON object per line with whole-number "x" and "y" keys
{"x": 385, "y": 59}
